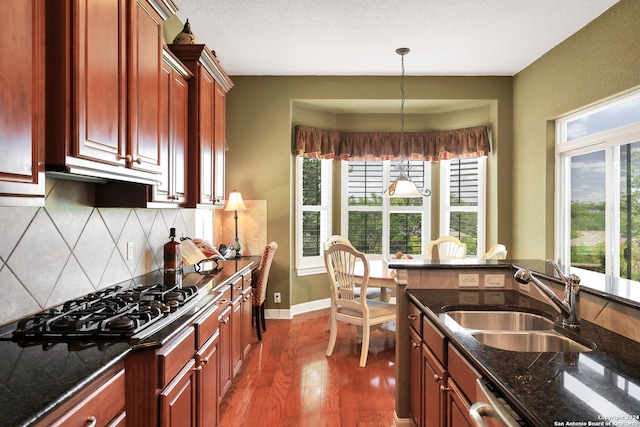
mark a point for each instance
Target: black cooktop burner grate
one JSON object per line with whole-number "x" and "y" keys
{"x": 110, "y": 313}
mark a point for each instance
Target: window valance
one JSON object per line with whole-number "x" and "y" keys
{"x": 429, "y": 146}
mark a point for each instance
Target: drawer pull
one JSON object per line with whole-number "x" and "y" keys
{"x": 225, "y": 320}
{"x": 412, "y": 317}
{"x": 238, "y": 288}
{"x": 91, "y": 421}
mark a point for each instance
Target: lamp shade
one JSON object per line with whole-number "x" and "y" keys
{"x": 235, "y": 202}
{"x": 404, "y": 187}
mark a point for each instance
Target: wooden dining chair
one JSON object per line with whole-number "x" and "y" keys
{"x": 340, "y": 259}
{"x": 498, "y": 251}
{"x": 260, "y": 287}
{"x": 448, "y": 247}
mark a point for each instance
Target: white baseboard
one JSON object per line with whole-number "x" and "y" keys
{"x": 277, "y": 313}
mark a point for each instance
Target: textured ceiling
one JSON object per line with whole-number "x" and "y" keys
{"x": 349, "y": 37}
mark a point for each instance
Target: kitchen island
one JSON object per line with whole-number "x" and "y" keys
{"x": 600, "y": 386}
{"x": 39, "y": 379}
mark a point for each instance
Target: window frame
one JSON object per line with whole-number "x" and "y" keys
{"x": 610, "y": 141}
{"x": 387, "y": 209}
{"x": 481, "y": 208}
{"x": 308, "y": 265}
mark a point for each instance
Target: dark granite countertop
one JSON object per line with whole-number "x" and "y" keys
{"x": 548, "y": 389}
{"x": 37, "y": 377}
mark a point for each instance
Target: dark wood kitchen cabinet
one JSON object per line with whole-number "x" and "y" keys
{"x": 461, "y": 389}
{"x": 161, "y": 384}
{"x": 22, "y": 107}
{"x": 172, "y": 187}
{"x": 247, "y": 311}
{"x": 442, "y": 383}
{"x": 101, "y": 403}
{"x": 207, "y": 92}
{"x": 104, "y": 85}
{"x": 225, "y": 372}
{"x": 428, "y": 380}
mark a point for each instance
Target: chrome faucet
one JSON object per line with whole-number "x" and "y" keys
{"x": 569, "y": 307}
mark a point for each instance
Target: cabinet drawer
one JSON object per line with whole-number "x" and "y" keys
{"x": 463, "y": 373}
{"x": 225, "y": 298}
{"x": 103, "y": 404}
{"x": 415, "y": 318}
{"x": 247, "y": 279}
{"x": 206, "y": 325}
{"x": 173, "y": 356}
{"x": 236, "y": 288}
{"x": 435, "y": 340}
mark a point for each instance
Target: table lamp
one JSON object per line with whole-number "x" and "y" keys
{"x": 235, "y": 204}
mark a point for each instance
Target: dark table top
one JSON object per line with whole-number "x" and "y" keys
{"x": 37, "y": 377}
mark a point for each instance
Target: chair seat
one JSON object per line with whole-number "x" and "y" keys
{"x": 382, "y": 311}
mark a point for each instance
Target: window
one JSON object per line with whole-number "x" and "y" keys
{"x": 382, "y": 226}
{"x": 463, "y": 202}
{"x": 313, "y": 213}
{"x": 598, "y": 188}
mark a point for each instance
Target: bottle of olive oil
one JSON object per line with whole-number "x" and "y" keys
{"x": 172, "y": 253}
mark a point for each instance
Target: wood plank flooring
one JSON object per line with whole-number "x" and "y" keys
{"x": 286, "y": 380}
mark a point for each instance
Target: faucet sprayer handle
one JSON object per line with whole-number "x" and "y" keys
{"x": 571, "y": 280}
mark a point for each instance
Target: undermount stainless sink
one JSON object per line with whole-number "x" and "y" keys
{"x": 513, "y": 331}
{"x": 500, "y": 320}
{"x": 533, "y": 341}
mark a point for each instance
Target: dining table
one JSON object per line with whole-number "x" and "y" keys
{"x": 380, "y": 276}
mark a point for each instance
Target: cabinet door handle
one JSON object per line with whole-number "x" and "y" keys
{"x": 444, "y": 389}
{"x": 415, "y": 345}
{"x": 412, "y": 317}
{"x": 139, "y": 160}
{"x": 205, "y": 360}
{"x": 197, "y": 368}
{"x": 436, "y": 377}
{"x": 91, "y": 421}
{"x": 225, "y": 320}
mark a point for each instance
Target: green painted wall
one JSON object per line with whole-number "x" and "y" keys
{"x": 598, "y": 62}
{"x": 260, "y": 158}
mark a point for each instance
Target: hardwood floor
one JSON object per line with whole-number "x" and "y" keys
{"x": 286, "y": 380}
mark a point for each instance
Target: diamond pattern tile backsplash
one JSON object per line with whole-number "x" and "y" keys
{"x": 69, "y": 248}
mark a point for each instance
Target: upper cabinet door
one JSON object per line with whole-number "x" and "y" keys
{"x": 104, "y": 85}
{"x": 220, "y": 144}
{"x": 145, "y": 86}
{"x": 22, "y": 103}
{"x": 99, "y": 80}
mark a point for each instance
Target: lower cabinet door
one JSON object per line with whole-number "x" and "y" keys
{"x": 207, "y": 358}
{"x": 457, "y": 407}
{"x": 178, "y": 399}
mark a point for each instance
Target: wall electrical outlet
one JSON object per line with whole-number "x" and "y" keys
{"x": 129, "y": 251}
{"x": 468, "y": 280}
{"x": 277, "y": 298}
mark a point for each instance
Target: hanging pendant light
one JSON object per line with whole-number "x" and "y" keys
{"x": 403, "y": 186}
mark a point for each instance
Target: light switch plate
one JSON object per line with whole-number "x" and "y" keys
{"x": 494, "y": 281}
